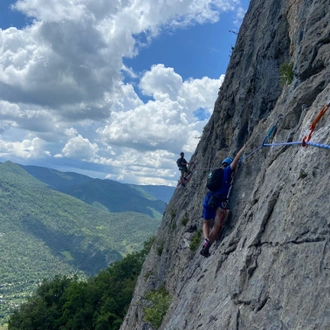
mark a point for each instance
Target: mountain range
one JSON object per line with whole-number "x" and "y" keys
{"x": 66, "y": 223}
{"x": 114, "y": 196}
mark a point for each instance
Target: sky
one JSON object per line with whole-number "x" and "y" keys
{"x": 113, "y": 89}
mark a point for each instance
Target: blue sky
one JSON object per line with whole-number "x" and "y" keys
{"x": 111, "y": 89}
{"x": 10, "y": 17}
{"x": 189, "y": 50}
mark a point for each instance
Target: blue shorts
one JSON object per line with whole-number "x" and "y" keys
{"x": 209, "y": 213}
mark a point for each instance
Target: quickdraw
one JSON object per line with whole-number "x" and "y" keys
{"x": 271, "y": 130}
{"x": 305, "y": 141}
{"x": 313, "y": 124}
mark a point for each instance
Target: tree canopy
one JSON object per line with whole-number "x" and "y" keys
{"x": 68, "y": 303}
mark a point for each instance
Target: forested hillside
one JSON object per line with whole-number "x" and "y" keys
{"x": 44, "y": 232}
{"x": 107, "y": 194}
{"x": 99, "y": 303}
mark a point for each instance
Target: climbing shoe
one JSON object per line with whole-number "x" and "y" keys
{"x": 205, "y": 249}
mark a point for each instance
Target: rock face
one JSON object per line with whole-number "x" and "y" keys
{"x": 270, "y": 269}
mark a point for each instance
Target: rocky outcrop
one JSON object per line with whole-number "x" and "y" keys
{"x": 270, "y": 268}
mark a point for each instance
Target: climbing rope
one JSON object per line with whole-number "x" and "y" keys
{"x": 250, "y": 154}
{"x": 319, "y": 145}
{"x": 306, "y": 140}
{"x": 264, "y": 144}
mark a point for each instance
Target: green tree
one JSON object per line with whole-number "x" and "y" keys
{"x": 67, "y": 303}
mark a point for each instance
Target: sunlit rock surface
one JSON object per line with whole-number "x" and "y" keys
{"x": 271, "y": 267}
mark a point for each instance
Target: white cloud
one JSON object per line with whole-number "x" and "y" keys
{"x": 162, "y": 83}
{"x": 148, "y": 167}
{"x": 167, "y": 122}
{"x": 78, "y": 147}
{"x": 28, "y": 148}
{"x": 63, "y": 94}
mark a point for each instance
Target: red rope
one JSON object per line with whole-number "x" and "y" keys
{"x": 314, "y": 122}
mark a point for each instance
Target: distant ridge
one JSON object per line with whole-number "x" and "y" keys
{"x": 109, "y": 194}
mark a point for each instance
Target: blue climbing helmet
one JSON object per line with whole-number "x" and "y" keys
{"x": 227, "y": 161}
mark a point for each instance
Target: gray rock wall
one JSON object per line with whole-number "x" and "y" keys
{"x": 270, "y": 269}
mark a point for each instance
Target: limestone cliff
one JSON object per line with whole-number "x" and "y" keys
{"x": 270, "y": 269}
